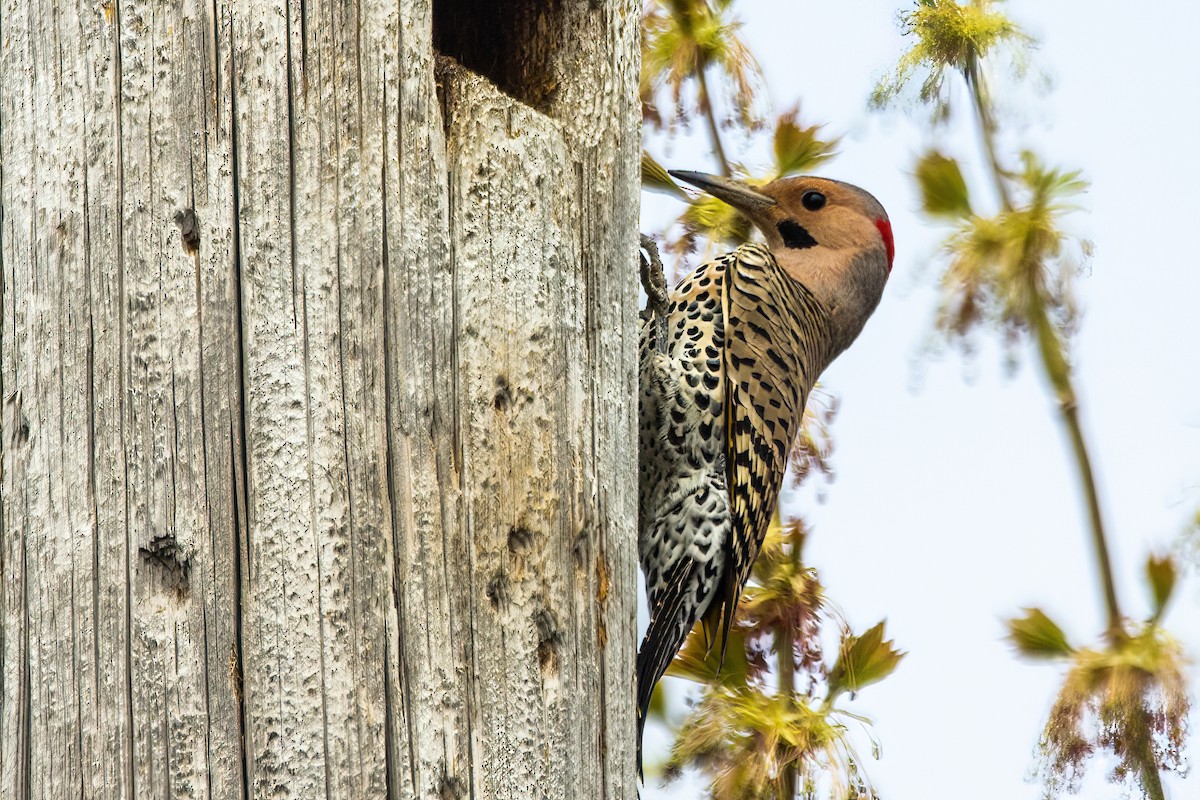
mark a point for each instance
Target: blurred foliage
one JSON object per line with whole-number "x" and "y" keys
{"x": 947, "y": 35}
{"x": 1035, "y": 635}
{"x": 1129, "y": 699}
{"x": 749, "y": 742}
{"x": 1011, "y": 272}
{"x": 1161, "y": 575}
{"x": 766, "y": 723}
{"x": 799, "y": 148}
{"x": 811, "y": 454}
{"x": 943, "y": 190}
{"x": 681, "y": 40}
{"x": 711, "y": 221}
{"x": 1004, "y": 271}
{"x": 655, "y": 178}
{"x": 752, "y": 731}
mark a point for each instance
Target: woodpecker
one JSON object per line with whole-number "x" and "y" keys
{"x": 724, "y": 376}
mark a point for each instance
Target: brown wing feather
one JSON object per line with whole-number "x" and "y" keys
{"x": 774, "y": 331}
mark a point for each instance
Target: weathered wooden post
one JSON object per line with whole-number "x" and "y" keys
{"x": 317, "y": 375}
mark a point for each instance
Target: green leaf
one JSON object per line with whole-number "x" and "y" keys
{"x": 798, "y": 149}
{"x": 943, "y": 190}
{"x": 656, "y": 179}
{"x": 1048, "y": 186}
{"x": 863, "y": 660}
{"x": 700, "y": 660}
{"x": 716, "y": 220}
{"x": 1161, "y": 573}
{"x": 1037, "y": 636}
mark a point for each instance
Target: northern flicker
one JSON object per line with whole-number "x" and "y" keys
{"x": 723, "y": 382}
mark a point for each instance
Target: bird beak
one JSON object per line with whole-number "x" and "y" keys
{"x": 737, "y": 194}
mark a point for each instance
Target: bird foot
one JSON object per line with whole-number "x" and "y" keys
{"x": 654, "y": 280}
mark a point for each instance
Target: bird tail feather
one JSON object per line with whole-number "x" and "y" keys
{"x": 669, "y": 628}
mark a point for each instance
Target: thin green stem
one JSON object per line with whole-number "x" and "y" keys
{"x": 1148, "y": 770}
{"x": 786, "y": 646}
{"x": 1057, "y": 369}
{"x": 1151, "y": 780}
{"x": 787, "y": 688}
{"x": 987, "y": 130}
{"x": 710, "y": 115}
{"x": 1054, "y": 362}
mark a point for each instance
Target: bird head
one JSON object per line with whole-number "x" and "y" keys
{"x": 832, "y": 237}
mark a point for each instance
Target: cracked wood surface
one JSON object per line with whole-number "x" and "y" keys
{"x": 316, "y": 380}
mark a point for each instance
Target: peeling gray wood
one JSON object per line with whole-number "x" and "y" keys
{"x": 316, "y": 381}
{"x": 514, "y": 220}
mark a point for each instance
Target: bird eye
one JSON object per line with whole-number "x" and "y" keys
{"x": 813, "y": 201}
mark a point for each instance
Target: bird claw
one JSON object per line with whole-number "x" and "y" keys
{"x": 654, "y": 280}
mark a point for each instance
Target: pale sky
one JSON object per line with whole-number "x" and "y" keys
{"x": 956, "y": 502}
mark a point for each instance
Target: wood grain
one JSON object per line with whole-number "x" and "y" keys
{"x": 316, "y": 380}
